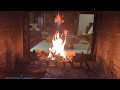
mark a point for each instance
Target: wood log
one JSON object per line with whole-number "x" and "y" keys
{"x": 70, "y": 55}
{"x": 57, "y": 57}
{"x": 43, "y": 54}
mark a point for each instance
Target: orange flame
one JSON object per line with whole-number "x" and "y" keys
{"x": 57, "y": 42}
{"x": 58, "y": 19}
{"x": 58, "y": 46}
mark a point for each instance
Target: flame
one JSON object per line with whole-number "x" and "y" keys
{"x": 57, "y": 42}
{"x": 58, "y": 19}
{"x": 58, "y": 46}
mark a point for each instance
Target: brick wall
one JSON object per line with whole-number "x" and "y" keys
{"x": 11, "y": 39}
{"x": 108, "y": 42}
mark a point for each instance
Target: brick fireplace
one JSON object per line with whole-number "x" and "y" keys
{"x": 14, "y": 37}
{"x": 108, "y": 41}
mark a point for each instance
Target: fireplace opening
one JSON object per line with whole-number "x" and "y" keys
{"x": 46, "y": 45}
{"x": 57, "y": 43}
{"x": 78, "y": 29}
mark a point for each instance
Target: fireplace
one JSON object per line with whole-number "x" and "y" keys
{"x": 58, "y": 36}
{"x": 33, "y": 46}
{"x": 47, "y": 41}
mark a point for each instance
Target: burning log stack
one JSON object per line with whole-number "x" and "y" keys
{"x": 71, "y": 56}
{"x": 43, "y": 54}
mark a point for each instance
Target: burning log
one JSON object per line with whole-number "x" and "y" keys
{"x": 42, "y": 54}
{"x": 69, "y": 56}
{"x": 57, "y": 57}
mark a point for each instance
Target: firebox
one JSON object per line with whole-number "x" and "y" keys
{"x": 39, "y": 46}
{"x": 60, "y": 35}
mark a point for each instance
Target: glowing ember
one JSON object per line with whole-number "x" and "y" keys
{"x": 58, "y": 46}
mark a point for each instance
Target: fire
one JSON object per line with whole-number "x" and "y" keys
{"x": 58, "y": 42}
{"x": 58, "y": 19}
{"x": 58, "y": 46}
